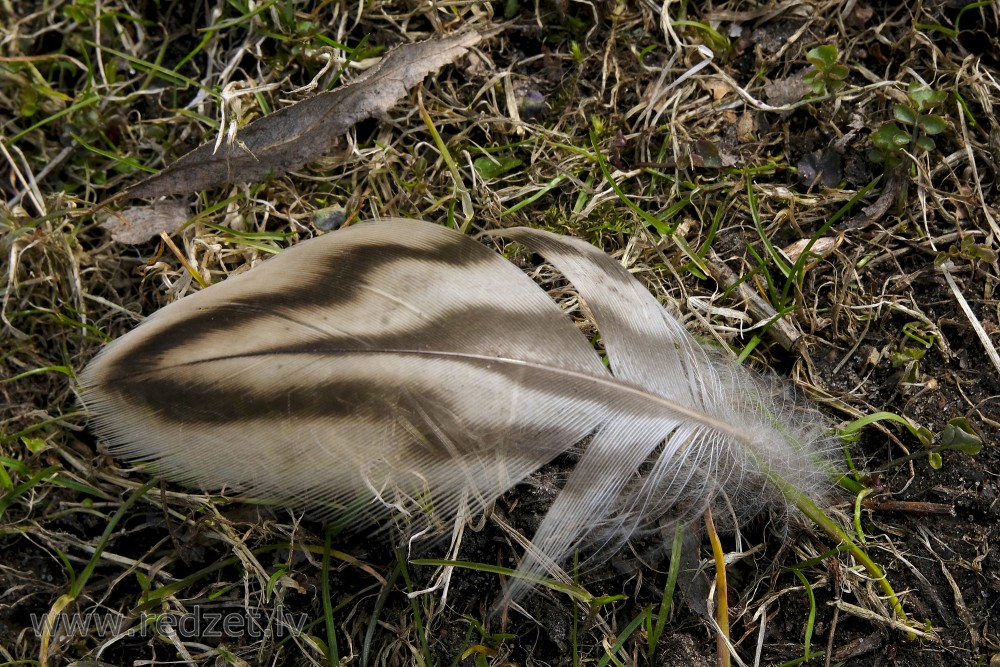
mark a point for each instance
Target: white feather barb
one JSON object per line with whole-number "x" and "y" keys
{"x": 400, "y": 363}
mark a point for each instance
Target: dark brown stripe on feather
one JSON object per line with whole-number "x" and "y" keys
{"x": 183, "y": 402}
{"x": 342, "y": 280}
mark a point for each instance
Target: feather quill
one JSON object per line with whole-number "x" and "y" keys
{"x": 403, "y": 364}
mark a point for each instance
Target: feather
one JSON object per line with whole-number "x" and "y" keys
{"x": 402, "y": 364}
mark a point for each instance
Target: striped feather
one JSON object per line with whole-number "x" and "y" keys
{"x": 403, "y": 364}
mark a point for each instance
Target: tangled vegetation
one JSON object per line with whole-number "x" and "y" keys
{"x": 812, "y": 185}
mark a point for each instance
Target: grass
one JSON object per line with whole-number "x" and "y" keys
{"x": 668, "y": 164}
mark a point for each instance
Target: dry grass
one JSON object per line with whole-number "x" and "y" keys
{"x": 678, "y": 140}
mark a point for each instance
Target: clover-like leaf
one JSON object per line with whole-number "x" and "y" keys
{"x": 904, "y": 114}
{"x": 932, "y": 124}
{"x": 924, "y": 97}
{"x": 890, "y": 137}
{"x": 822, "y": 57}
{"x": 838, "y": 72}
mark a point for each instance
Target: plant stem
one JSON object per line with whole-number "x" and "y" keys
{"x": 722, "y": 658}
{"x": 809, "y": 508}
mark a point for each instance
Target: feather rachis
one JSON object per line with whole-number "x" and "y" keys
{"x": 402, "y": 361}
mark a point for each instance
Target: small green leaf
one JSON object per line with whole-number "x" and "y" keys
{"x": 906, "y": 355}
{"x": 29, "y": 103}
{"x": 978, "y": 251}
{"x": 34, "y": 445}
{"x": 890, "y": 137}
{"x": 822, "y": 57}
{"x": 489, "y": 168}
{"x": 924, "y": 97}
{"x": 960, "y": 435}
{"x": 932, "y": 124}
{"x": 838, "y": 72}
{"x": 904, "y": 114}
{"x": 925, "y": 143}
{"x": 901, "y": 139}
{"x": 935, "y": 461}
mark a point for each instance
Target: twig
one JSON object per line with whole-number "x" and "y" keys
{"x": 873, "y": 213}
{"x": 781, "y": 330}
{"x": 984, "y": 338}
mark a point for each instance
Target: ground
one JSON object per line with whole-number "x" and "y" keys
{"x": 702, "y": 144}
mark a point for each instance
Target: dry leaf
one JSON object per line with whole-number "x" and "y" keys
{"x": 141, "y": 223}
{"x": 820, "y": 248}
{"x": 298, "y": 134}
{"x": 781, "y": 92}
{"x": 746, "y": 128}
{"x": 859, "y": 16}
{"x": 718, "y": 89}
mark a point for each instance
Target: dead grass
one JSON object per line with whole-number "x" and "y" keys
{"x": 699, "y": 172}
